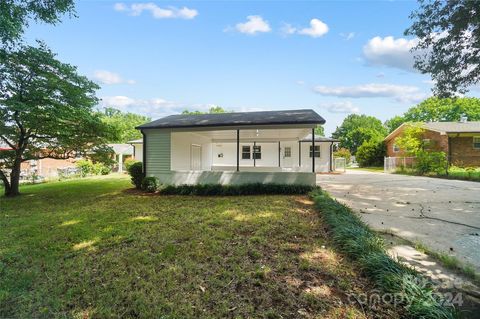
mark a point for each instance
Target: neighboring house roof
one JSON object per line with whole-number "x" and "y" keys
{"x": 443, "y": 127}
{"x": 453, "y": 127}
{"x": 318, "y": 138}
{"x": 125, "y": 149}
{"x": 237, "y": 119}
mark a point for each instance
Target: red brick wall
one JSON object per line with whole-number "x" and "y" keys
{"x": 463, "y": 153}
{"x": 48, "y": 166}
{"x": 438, "y": 143}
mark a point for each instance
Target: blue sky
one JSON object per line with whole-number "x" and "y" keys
{"x": 159, "y": 58}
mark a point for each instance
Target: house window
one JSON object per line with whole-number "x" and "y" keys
{"x": 245, "y": 152}
{"x": 476, "y": 142}
{"x": 257, "y": 152}
{"x": 317, "y": 151}
{"x": 287, "y": 152}
{"x": 396, "y": 148}
{"x": 427, "y": 143}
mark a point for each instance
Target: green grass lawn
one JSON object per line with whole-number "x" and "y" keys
{"x": 94, "y": 248}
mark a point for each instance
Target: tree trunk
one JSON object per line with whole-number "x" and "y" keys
{"x": 6, "y": 183}
{"x": 12, "y": 188}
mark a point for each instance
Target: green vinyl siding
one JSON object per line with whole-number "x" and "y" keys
{"x": 158, "y": 151}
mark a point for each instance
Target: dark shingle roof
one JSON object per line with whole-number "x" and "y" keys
{"x": 237, "y": 119}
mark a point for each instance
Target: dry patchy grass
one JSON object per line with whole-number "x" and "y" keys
{"x": 88, "y": 248}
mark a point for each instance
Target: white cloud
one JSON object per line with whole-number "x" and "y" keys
{"x": 316, "y": 30}
{"x": 253, "y": 25}
{"x": 401, "y": 93}
{"x": 390, "y": 52}
{"x": 120, "y": 7}
{"x": 288, "y": 29}
{"x": 341, "y": 107}
{"x": 107, "y": 77}
{"x": 136, "y": 9}
{"x": 348, "y": 36}
{"x": 155, "y": 108}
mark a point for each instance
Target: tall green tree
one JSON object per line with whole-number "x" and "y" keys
{"x": 394, "y": 122}
{"x": 437, "y": 109}
{"x": 46, "y": 111}
{"x": 212, "y": 110}
{"x": 320, "y": 130}
{"x": 15, "y": 15}
{"x": 123, "y": 124}
{"x": 356, "y": 129}
{"x": 449, "y": 43}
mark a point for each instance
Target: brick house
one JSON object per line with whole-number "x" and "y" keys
{"x": 459, "y": 140}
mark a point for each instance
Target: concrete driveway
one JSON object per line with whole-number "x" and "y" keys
{"x": 442, "y": 214}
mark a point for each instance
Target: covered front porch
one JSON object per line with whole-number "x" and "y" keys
{"x": 250, "y": 150}
{"x": 261, "y": 154}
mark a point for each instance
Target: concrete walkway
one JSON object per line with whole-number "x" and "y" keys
{"x": 442, "y": 214}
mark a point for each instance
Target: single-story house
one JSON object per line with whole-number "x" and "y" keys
{"x": 122, "y": 153}
{"x": 137, "y": 149}
{"x": 235, "y": 148}
{"x": 459, "y": 140}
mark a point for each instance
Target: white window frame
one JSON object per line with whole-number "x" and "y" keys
{"x": 257, "y": 152}
{"x": 316, "y": 152}
{"x": 287, "y": 152}
{"x": 246, "y": 152}
{"x": 395, "y": 148}
{"x": 478, "y": 142}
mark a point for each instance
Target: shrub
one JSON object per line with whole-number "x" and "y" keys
{"x": 430, "y": 162}
{"x": 129, "y": 162}
{"x": 100, "y": 169}
{"x": 353, "y": 238}
{"x": 85, "y": 166}
{"x": 136, "y": 172}
{"x": 234, "y": 190}
{"x": 343, "y": 152}
{"x": 371, "y": 153}
{"x": 150, "y": 184}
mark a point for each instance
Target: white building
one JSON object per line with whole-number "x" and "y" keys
{"x": 248, "y": 147}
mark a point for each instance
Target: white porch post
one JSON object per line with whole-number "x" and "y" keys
{"x": 120, "y": 163}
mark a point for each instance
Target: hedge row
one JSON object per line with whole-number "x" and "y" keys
{"x": 234, "y": 190}
{"x": 354, "y": 239}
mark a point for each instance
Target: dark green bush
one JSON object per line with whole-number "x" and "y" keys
{"x": 235, "y": 190}
{"x": 353, "y": 238}
{"x": 136, "y": 172}
{"x": 149, "y": 184}
{"x": 430, "y": 162}
{"x": 371, "y": 153}
{"x": 129, "y": 162}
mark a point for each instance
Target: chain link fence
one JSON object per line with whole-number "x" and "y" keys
{"x": 456, "y": 167}
{"x": 339, "y": 164}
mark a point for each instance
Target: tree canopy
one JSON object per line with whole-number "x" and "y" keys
{"x": 16, "y": 14}
{"x": 356, "y": 129}
{"x": 46, "y": 110}
{"x": 212, "y": 110}
{"x": 448, "y": 46}
{"x": 439, "y": 109}
{"x": 122, "y": 124}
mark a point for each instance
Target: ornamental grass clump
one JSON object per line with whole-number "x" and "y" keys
{"x": 413, "y": 293}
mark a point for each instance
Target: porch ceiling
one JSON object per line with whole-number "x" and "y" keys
{"x": 291, "y": 134}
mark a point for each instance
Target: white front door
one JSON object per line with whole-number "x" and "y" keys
{"x": 195, "y": 157}
{"x": 287, "y": 157}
